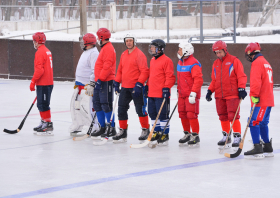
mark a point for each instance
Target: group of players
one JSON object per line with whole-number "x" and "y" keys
{"x": 97, "y": 81}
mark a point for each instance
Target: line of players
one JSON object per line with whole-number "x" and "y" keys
{"x": 95, "y": 76}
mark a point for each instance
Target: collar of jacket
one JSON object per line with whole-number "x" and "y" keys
{"x": 256, "y": 56}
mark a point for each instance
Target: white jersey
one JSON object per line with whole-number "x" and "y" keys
{"x": 86, "y": 64}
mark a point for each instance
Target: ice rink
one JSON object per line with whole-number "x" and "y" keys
{"x": 56, "y": 166}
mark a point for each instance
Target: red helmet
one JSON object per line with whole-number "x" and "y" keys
{"x": 39, "y": 37}
{"x": 252, "y": 48}
{"x": 103, "y": 33}
{"x": 89, "y": 39}
{"x": 219, "y": 45}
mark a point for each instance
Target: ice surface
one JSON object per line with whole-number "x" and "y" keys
{"x": 57, "y": 167}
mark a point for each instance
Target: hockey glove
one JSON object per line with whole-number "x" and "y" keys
{"x": 32, "y": 86}
{"x": 208, "y": 95}
{"x": 89, "y": 88}
{"x": 98, "y": 84}
{"x": 165, "y": 93}
{"x": 146, "y": 90}
{"x": 138, "y": 89}
{"x": 192, "y": 97}
{"x": 117, "y": 87}
{"x": 242, "y": 93}
{"x": 255, "y": 100}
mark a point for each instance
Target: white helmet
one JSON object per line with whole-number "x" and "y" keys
{"x": 187, "y": 49}
{"x": 130, "y": 35}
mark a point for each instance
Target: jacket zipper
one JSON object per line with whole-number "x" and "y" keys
{"x": 222, "y": 78}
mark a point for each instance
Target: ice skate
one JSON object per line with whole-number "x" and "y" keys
{"x": 144, "y": 135}
{"x": 111, "y": 133}
{"x": 38, "y": 127}
{"x": 155, "y": 137}
{"x": 121, "y": 136}
{"x": 267, "y": 149}
{"x": 185, "y": 139}
{"x": 163, "y": 140}
{"x": 46, "y": 129}
{"x": 222, "y": 142}
{"x": 236, "y": 141}
{"x": 194, "y": 141}
{"x": 96, "y": 135}
{"x": 255, "y": 153}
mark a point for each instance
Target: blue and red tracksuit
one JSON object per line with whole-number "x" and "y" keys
{"x": 261, "y": 86}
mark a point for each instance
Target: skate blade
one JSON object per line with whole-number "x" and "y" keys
{"x": 77, "y": 134}
{"x": 268, "y": 154}
{"x": 226, "y": 147}
{"x": 123, "y": 140}
{"x": 163, "y": 144}
{"x": 235, "y": 149}
{"x": 194, "y": 145}
{"x": 153, "y": 144}
{"x": 254, "y": 157}
{"x": 48, "y": 133}
{"x": 183, "y": 144}
{"x": 96, "y": 137}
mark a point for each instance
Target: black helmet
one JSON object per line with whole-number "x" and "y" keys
{"x": 160, "y": 46}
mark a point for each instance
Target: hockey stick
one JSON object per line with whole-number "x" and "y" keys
{"x": 155, "y": 145}
{"x": 221, "y": 151}
{"x": 242, "y": 141}
{"x": 105, "y": 139}
{"x": 147, "y": 141}
{"x": 22, "y": 122}
{"x": 88, "y": 133}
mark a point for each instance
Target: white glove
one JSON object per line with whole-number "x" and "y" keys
{"x": 192, "y": 97}
{"x": 89, "y": 88}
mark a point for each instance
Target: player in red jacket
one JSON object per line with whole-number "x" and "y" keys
{"x": 132, "y": 73}
{"x": 189, "y": 82}
{"x": 104, "y": 72}
{"x": 261, "y": 92}
{"x": 160, "y": 81}
{"x": 228, "y": 83}
{"x": 43, "y": 79}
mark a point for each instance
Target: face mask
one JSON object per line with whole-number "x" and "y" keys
{"x": 180, "y": 57}
{"x": 35, "y": 46}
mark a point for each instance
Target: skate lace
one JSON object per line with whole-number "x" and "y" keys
{"x": 224, "y": 138}
{"x": 185, "y": 137}
{"x": 237, "y": 139}
{"x": 120, "y": 132}
{"x": 144, "y": 132}
{"x": 40, "y": 124}
{"x": 44, "y": 124}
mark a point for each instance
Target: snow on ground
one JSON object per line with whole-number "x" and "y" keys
{"x": 176, "y": 35}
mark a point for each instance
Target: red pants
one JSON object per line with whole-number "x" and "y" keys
{"x": 187, "y": 110}
{"x": 226, "y": 108}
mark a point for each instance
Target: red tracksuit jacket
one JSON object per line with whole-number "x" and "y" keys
{"x": 105, "y": 65}
{"x": 133, "y": 68}
{"x": 261, "y": 82}
{"x": 43, "y": 67}
{"x": 161, "y": 76}
{"x": 227, "y": 76}
{"x": 189, "y": 77}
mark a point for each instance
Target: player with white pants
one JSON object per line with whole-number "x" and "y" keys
{"x": 82, "y": 111}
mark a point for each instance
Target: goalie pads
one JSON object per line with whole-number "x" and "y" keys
{"x": 81, "y": 112}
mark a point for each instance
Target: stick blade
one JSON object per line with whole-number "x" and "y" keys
{"x": 11, "y": 132}
{"x": 102, "y": 142}
{"x": 140, "y": 145}
{"x": 81, "y": 137}
{"x": 234, "y": 155}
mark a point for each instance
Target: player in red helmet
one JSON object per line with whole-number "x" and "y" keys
{"x": 261, "y": 93}
{"x": 43, "y": 79}
{"x": 82, "y": 111}
{"x": 228, "y": 83}
{"x": 105, "y": 68}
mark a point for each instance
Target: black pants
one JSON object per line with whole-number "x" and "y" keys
{"x": 154, "y": 106}
{"x": 44, "y": 97}
{"x": 126, "y": 96}
{"x": 103, "y": 98}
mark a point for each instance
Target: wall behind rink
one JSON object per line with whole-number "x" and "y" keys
{"x": 17, "y": 58}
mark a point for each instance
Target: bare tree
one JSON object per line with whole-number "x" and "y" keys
{"x": 267, "y": 11}
{"x": 63, "y": 9}
{"x": 8, "y": 11}
{"x": 104, "y": 8}
{"x": 121, "y": 9}
{"x": 90, "y": 8}
{"x": 243, "y": 13}
{"x": 136, "y": 9}
{"x": 73, "y": 3}
{"x": 130, "y": 8}
{"x": 144, "y": 8}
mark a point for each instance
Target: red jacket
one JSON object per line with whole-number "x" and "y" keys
{"x": 227, "y": 76}
{"x": 261, "y": 81}
{"x": 43, "y": 67}
{"x": 161, "y": 75}
{"x": 189, "y": 77}
{"x": 133, "y": 68}
{"x": 105, "y": 65}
